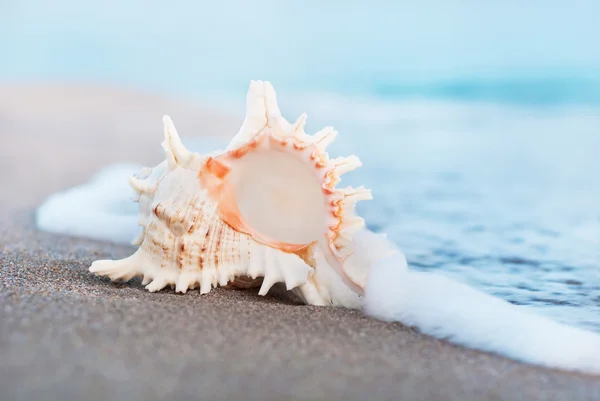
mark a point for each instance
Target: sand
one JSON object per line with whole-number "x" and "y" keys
{"x": 67, "y": 335}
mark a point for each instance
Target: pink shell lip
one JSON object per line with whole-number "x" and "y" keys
{"x": 212, "y": 177}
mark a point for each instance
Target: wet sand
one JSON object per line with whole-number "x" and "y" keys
{"x": 65, "y": 334}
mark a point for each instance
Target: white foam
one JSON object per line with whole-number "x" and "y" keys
{"x": 447, "y": 309}
{"x": 100, "y": 209}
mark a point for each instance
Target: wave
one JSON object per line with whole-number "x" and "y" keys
{"x": 450, "y": 310}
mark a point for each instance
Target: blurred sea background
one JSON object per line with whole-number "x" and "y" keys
{"x": 478, "y": 122}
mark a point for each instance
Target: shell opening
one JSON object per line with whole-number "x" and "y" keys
{"x": 278, "y": 196}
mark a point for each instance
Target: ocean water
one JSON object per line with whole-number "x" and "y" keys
{"x": 478, "y": 123}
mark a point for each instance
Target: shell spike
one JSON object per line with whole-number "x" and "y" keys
{"x": 353, "y": 195}
{"x": 298, "y": 127}
{"x": 171, "y": 161}
{"x": 140, "y": 238}
{"x": 273, "y": 112}
{"x": 157, "y": 284}
{"x": 343, "y": 165}
{"x": 325, "y": 137}
{"x": 140, "y": 186}
{"x": 205, "y": 287}
{"x": 274, "y": 117}
{"x": 123, "y": 270}
{"x": 184, "y": 282}
{"x": 176, "y": 152}
{"x": 256, "y": 115}
{"x": 266, "y": 285}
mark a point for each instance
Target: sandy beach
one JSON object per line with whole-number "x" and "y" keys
{"x": 66, "y": 334}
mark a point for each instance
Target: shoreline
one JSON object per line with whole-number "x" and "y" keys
{"x": 57, "y": 317}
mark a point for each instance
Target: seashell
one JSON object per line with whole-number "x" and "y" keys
{"x": 264, "y": 210}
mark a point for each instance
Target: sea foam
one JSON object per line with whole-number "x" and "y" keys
{"x": 101, "y": 209}
{"x": 450, "y": 310}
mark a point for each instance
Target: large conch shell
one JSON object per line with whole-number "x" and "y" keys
{"x": 264, "y": 210}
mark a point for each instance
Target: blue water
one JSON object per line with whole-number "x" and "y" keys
{"x": 478, "y": 122}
